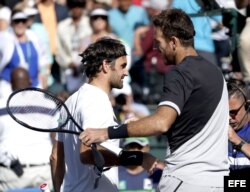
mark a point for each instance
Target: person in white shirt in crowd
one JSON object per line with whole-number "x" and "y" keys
{"x": 9, "y": 57}
{"x": 43, "y": 40}
{"x": 28, "y": 46}
{"x": 244, "y": 43}
{"x": 70, "y": 32}
{"x": 24, "y": 153}
{"x": 5, "y": 14}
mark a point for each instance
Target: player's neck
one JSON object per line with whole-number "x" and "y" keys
{"x": 100, "y": 84}
{"x": 185, "y": 52}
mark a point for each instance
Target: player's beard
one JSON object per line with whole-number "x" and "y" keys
{"x": 116, "y": 82}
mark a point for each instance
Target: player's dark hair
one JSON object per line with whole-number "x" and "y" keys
{"x": 104, "y": 49}
{"x": 175, "y": 22}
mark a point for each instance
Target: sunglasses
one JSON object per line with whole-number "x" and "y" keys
{"x": 99, "y": 16}
{"x": 20, "y": 21}
{"x": 234, "y": 112}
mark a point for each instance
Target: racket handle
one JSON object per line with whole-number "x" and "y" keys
{"x": 97, "y": 182}
{"x": 98, "y": 158}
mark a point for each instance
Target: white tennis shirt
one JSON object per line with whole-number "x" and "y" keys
{"x": 90, "y": 107}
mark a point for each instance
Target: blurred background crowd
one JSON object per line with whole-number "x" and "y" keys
{"x": 45, "y": 37}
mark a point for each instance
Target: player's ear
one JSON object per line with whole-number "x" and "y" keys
{"x": 173, "y": 42}
{"x": 105, "y": 65}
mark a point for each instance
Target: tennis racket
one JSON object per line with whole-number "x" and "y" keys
{"x": 39, "y": 110}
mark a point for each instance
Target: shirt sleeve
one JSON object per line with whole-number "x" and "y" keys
{"x": 177, "y": 89}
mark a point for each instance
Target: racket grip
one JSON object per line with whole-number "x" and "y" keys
{"x": 98, "y": 158}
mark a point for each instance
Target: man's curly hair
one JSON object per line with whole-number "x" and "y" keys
{"x": 175, "y": 22}
{"x": 104, "y": 49}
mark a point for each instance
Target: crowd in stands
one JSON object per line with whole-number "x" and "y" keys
{"x": 45, "y": 37}
{"x": 49, "y": 35}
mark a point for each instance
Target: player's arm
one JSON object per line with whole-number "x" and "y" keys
{"x": 146, "y": 160}
{"x": 57, "y": 165}
{"x": 155, "y": 124}
{"x": 86, "y": 155}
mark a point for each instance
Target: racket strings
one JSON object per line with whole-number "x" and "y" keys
{"x": 37, "y": 109}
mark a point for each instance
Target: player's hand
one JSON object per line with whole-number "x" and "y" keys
{"x": 149, "y": 163}
{"x": 89, "y": 136}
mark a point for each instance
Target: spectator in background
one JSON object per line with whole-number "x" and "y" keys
{"x": 239, "y": 130}
{"x": 151, "y": 62}
{"x": 136, "y": 177}
{"x": 203, "y": 41}
{"x": 24, "y": 153}
{"x": 125, "y": 19}
{"x": 69, "y": 46}
{"x": 61, "y": 2}
{"x": 27, "y": 45}
{"x": 128, "y": 104}
{"x": 5, "y": 14}
{"x": 9, "y": 59}
{"x": 221, "y": 40}
{"x": 105, "y": 4}
{"x": 10, "y": 3}
{"x": 44, "y": 43}
{"x": 100, "y": 28}
{"x": 50, "y": 14}
{"x": 244, "y": 43}
{"x": 222, "y": 45}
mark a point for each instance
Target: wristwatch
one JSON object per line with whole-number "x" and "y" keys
{"x": 239, "y": 146}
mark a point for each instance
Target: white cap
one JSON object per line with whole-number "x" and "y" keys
{"x": 19, "y": 15}
{"x": 155, "y": 4}
{"x": 30, "y": 11}
{"x": 5, "y": 13}
{"x": 99, "y": 12}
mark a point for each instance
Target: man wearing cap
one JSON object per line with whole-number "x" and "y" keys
{"x": 70, "y": 33}
{"x": 9, "y": 57}
{"x": 28, "y": 47}
{"x": 136, "y": 177}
